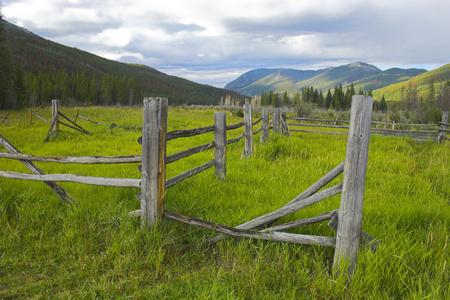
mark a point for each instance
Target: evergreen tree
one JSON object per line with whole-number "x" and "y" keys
{"x": 383, "y": 104}
{"x": 20, "y": 89}
{"x": 6, "y": 72}
{"x": 285, "y": 101}
{"x": 328, "y": 99}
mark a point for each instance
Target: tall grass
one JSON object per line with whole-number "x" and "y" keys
{"x": 51, "y": 250}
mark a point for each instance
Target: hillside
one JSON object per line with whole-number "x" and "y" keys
{"x": 362, "y": 75}
{"x": 39, "y": 56}
{"x": 422, "y": 81}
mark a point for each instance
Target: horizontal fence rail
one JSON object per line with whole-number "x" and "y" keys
{"x": 424, "y": 134}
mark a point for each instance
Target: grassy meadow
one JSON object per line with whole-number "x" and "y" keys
{"x": 49, "y": 250}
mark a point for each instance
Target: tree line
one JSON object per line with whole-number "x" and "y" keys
{"x": 338, "y": 99}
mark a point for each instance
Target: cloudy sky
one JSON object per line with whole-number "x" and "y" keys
{"x": 213, "y": 42}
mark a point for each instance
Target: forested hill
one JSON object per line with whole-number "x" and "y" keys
{"x": 53, "y": 71}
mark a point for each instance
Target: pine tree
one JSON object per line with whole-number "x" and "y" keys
{"x": 383, "y": 104}
{"x": 6, "y": 72}
{"x": 285, "y": 101}
{"x": 20, "y": 89}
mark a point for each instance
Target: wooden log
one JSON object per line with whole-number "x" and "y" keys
{"x": 39, "y": 116}
{"x": 55, "y": 113}
{"x": 74, "y": 128}
{"x": 272, "y": 236}
{"x": 189, "y": 132}
{"x": 317, "y": 125}
{"x": 84, "y": 118}
{"x": 320, "y": 218}
{"x": 248, "y": 130}
{"x": 367, "y": 239}
{"x": 284, "y": 128}
{"x": 257, "y": 121}
{"x": 31, "y": 117}
{"x": 350, "y": 212}
{"x": 258, "y": 131}
{"x": 185, "y": 175}
{"x": 317, "y": 120}
{"x": 276, "y": 121}
{"x": 232, "y": 141}
{"x": 90, "y": 180}
{"x": 185, "y": 153}
{"x": 79, "y": 127}
{"x": 235, "y": 126}
{"x": 220, "y": 140}
{"x": 75, "y": 159}
{"x": 55, "y": 120}
{"x": 443, "y": 129}
{"x": 76, "y": 117}
{"x": 320, "y": 132}
{"x": 315, "y": 187}
{"x": 265, "y": 125}
{"x": 153, "y": 160}
{"x": 291, "y": 208}
{"x": 33, "y": 168}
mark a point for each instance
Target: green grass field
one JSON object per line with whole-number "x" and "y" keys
{"x": 49, "y": 250}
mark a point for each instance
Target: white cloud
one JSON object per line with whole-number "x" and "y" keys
{"x": 198, "y": 39}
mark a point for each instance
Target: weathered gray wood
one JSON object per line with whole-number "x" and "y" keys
{"x": 442, "y": 133}
{"x": 33, "y": 168}
{"x": 74, "y": 128}
{"x": 258, "y": 131}
{"x": 366, "y": 238}
{"x": 348, "y": 235}
{"x": 319, "y": 184}
{"x": 287, "y": 209}
{"x": 272, "y": 236}
{"x": 320, "y": 218}
{"x": 291, "y": 208}
{"x": 75, "y": 159}
{"x": 248, "y": 130}
{"x": 265, "y": 125}
{"x": 284, "y": 128}
{"x": 276, "y": 120}
{"x": 321, "y": 132}
{"x": 232, "y": 141}
{"x": 257, "y": 121}
{"x": 55, "y": 121}
{"x": 185, "y": 175}
{"x": 153, "y": 160}
{"x": 55, "y": 113}
{"x": 318, "y": 120}
{"x": 235, "y": 126}
{"x": 189, "y": 132}
{"x": 84, "y": 118}
{"x": 185, "y": 153}
{"x": 318, "y": 125}
{"x": 220, "y": 140}
{"x": 90, "y": 180}
{"x": 38, "y": 116}
{"x": 78, "y": 126}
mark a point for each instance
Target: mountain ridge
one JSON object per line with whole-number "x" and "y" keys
{"x": 362, "y": 75}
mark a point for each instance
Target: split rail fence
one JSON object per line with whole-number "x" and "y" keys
{"x": 346, "y": 220}
{"x": 438, "y": 133}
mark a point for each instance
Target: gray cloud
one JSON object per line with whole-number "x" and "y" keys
{"x": 210, "y": 42}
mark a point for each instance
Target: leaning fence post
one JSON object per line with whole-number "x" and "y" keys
{"x": 276, "y": 121}
{"x": 265, "y": 125}
{"x": 348, "y": 234}
{"x": 153, "y": 171}
{"x": 220, "y": 141}
{"x": 442, "y": 135}
{"x": 55, "y": 111}
{"x": 248, "y": 130}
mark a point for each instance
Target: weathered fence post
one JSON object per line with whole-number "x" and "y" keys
{"x": 348, "y": 234}
{"x": 220, "y": 140}
{"x": 442, "y": 135}
{"x": 265, "y": 125}
{"x": 284, "y": 129}
{"x": 276, "y": 120}
{"x": 55, "y": 110}
{"x": 153, "y": 176}
{"x": 248, "y": 130}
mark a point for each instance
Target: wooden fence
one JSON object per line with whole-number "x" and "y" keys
{"x": 438, "y": 133}
{"x": 346, "y": 220}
